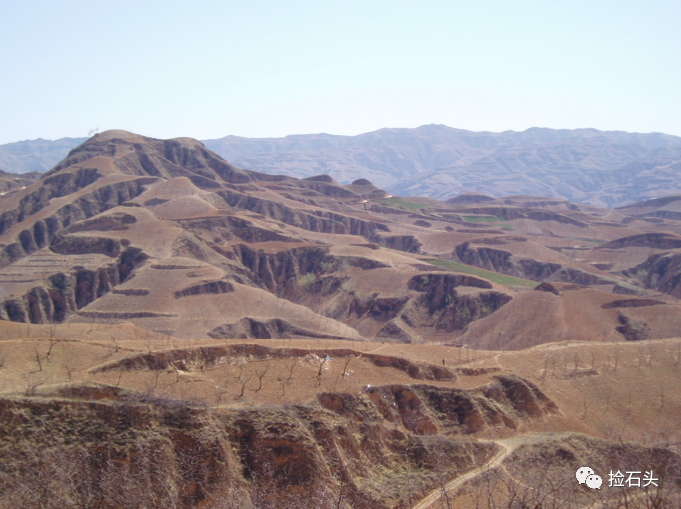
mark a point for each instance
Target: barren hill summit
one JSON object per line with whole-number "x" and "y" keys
{"x": 168, "y": 235}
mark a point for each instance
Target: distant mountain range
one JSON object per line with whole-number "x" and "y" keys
{"x": 35, "y": 155}
{"x": 602, "y": 168}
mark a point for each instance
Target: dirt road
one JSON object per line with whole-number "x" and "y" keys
{"x": 453, "y": 485}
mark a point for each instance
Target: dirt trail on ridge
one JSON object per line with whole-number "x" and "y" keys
{"x": 453, "y": 485}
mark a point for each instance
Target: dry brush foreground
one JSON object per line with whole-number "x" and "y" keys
{"x": 87, "y": 421}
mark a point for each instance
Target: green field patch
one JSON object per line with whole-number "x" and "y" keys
{"x": 402, "y": 203}
{"x": 495, "y": 277}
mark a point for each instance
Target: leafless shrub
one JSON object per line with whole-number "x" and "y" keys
{"x": 53, "y": 342}
{"x": 290, "y": 370}
{"x": 243, "y": 382}
{"x": 345, "y": 366}
{"x": 31, "y": 384}
{"x": 69, "y": 367}
{"x": 38, "y": 359}
{"x": 260, "y": 377}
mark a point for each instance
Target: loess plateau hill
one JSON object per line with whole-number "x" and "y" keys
{"x": 179, "y": 332}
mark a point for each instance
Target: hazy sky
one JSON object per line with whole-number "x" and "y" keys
{"x": 207, "y": 69}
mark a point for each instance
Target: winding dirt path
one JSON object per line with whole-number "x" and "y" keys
{"x": 455, "y": 484}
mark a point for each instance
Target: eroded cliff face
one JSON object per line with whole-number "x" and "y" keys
{"x": 317, "y": 221}
{"x": 382, "y": 448}
{"x": 661, "y": 272}
{"x": 66, "y": 292}
{"x": 41, "y": 233}
{"x": 440, "y": 306}
{"x": 504, "y": 262}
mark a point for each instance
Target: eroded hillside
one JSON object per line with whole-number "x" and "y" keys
{"x": 118, "y": 416}
{"x": 167, "y": 235}
{"x": 179, "y": 332}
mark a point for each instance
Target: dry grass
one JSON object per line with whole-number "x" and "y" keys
{"x": 611, "y": 390}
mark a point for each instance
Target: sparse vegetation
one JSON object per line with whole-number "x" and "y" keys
{"x": 497, "y": 221}
{"x": 502, "y": 279}
{"x": 307, "y": 280}
{"x": 484, "y": 219}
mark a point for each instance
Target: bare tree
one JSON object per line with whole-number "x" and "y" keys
{"x": 321, "y": 362}
{"x": 290, "y": 370}
{"x": 345, "y": 366}
{"x": 282, "y": 382}
{"x": 152, "y": 385}
{"x": 260, "y": 377}
{"x": 53, "y": 341}
{"x": 38, "y": 359}
{"x": 243, "y": 385}
{"x": 32, "y": 383}
{"x": 69, "y": 368}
